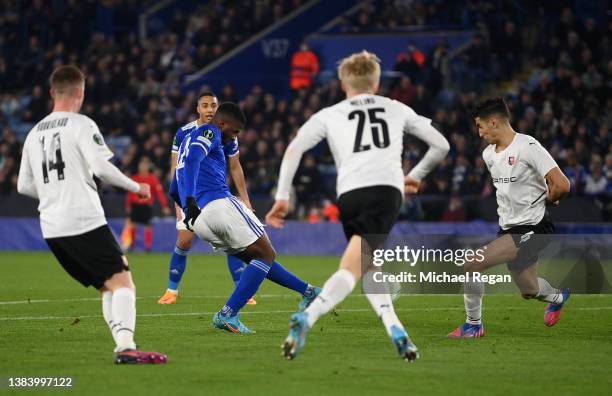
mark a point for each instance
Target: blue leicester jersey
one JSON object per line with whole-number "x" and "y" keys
{"x": 230, "y": 149}
{"x": 201, "y": 169}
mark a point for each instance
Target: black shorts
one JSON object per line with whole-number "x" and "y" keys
{"x": 529, "y": 246}
{"x": 370, "y": 212}
{"x": 141, "y": 214}
{"x": 90, "y": 258}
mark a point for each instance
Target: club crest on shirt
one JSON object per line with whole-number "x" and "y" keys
{"x": 511, "y": 160}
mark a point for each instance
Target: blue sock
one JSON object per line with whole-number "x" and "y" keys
{"x": 235, "y": 266}
{"x": 279, "y": 275}
{"x": 178, "y": 262}
{"x": 252, "y": 276}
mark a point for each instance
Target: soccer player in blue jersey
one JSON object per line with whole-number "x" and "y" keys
{"x": 200, "y": 187}
{"x": 207, "y": 105}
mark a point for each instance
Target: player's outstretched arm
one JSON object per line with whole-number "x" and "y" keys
{"x": 558, "y": 185}
{"x": 438, "y": 148}
{"x": 110, "y": 174}
{"x": 237, "y": 175}
{"x": 411, "y": 186}
{"x": 25, "y": 180}
{"x": 311, "y": 133}
{"x": 97, "y": 154}
{"x": 276, "y": 215}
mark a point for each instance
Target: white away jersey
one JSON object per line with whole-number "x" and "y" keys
{"x": 57, "y": 155}
{"x": 518, "y": 175}
{"x": 365, "y": 135}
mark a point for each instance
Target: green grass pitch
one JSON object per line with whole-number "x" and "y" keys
{"x": 51, "y": 326}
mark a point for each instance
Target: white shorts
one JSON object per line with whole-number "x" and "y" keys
{"x": 228, "y": 225}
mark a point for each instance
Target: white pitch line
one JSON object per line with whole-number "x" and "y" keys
{"x": 153, "y": 315}
{"x": 61, "y": 300}
{"x": 97, "y": 299}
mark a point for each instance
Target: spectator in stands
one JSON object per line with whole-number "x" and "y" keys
{"x": 314, "y": 215}
{"x": 331, "y": 211}
{"x": 509, "y": 47}
{"x": 411, "y": 63}
{"x": 412, "y": 209}
{"x": 437, "y": 66}
{"x": 478, "y": 61}
{"x": 607, "y": 169}
{"x": 404, "y": 91}
{"x": 307, "y": 181}
{"x": 304, "y": 68}
{"x": 455, "y": 210}
{"x": 574, "y": 171}
{"x": 7, "y": 169}
{"x": 596, "y": 183}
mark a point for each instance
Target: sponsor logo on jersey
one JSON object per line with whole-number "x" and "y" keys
{"x": 511, "y": 160}
{"x": 504, "y": 180}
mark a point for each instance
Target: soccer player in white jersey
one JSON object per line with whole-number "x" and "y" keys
{"x": 526, "y": 179}
{"x": 365, "y": 134}
{"x": 61, "y": 154}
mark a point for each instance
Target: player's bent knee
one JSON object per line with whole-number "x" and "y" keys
{"x": 120, "y": 280}
{"x": 185, "y": 240}
{"x": 184, "y": 244}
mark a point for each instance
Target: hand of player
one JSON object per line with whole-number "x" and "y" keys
{"x": 192, "y": 211}
{"x": 276, "y": 215}
{"x": 145, "y": 191}
{"x": 248, "y": 205}
{"x": 166, "y": 211}
{"x": 411, "y": 186}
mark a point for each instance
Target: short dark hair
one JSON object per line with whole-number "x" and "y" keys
{"x": 231, "y": 110}
{"x": 206, "y": 93}
{"x": 66, "y": 77}
{"x": 490, "y": 107}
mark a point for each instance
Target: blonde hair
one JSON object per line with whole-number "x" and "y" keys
{"x": 360, "y": 72}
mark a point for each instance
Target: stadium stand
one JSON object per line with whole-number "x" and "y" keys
{"x": 553, "y": 66}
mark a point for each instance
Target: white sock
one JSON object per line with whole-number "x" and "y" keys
{"x": 124, "y": 318}
{"x": 383, "y": 306}
{"x": 472, "y": 298}
{"x": 107, "y": 310}
{"x": 548, "y": 293}
{"x": 380, "y": 298}
{"x": 337, "y": 287}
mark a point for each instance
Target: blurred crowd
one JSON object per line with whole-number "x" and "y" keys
{"x": 393, "y": 15}
{"x": 133, "y": 88}
{"x": 133, "y": 92}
